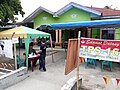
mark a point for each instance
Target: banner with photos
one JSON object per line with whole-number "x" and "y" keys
{"x": 6, "y": 48}
{"x": 100, "y": 49}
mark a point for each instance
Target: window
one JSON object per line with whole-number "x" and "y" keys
{"x": 108, "y": 34}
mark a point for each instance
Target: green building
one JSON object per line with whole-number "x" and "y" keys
{"x": 74, "y": 12}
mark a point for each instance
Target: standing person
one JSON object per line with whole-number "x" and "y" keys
{"x": 42, "y": 55}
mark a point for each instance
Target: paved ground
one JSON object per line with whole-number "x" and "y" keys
{"x": 54, "y": 78}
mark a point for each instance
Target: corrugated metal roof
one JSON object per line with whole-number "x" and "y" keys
{"x": 107, "y": 12}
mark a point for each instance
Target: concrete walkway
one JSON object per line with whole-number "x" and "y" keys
{"x": 52, "y": 79}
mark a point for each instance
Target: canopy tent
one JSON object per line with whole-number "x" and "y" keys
{"x": 26, "y": 33}
{"x": 107, "y": 23}
{"x": 23, "y": 32}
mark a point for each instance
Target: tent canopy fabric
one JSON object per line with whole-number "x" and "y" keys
{"x": 107, "y": 23}
{"x": 23, "y": 32}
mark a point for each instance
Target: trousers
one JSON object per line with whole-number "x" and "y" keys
{"x": 42, "y": 62}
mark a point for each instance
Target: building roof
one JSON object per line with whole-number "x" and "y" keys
{"x": 107, "y": 12}
{"x": 7, "y": 26}
{"x": 35, "y": 13}
{"x": 94, "y": 12}
{"x": 72, "y": 4}
{"x": 61, "y": 11}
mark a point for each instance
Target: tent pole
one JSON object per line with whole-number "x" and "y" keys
{"x": 14, "y": 51}
{"x": 51, "y": 48}
{"x": 78, "y": 61}
{"x": 19, "y": 45}
{"x": 15, "y": 56}
{"x": 27, "y": 41}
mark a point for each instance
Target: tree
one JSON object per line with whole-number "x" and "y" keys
{"x": 8, "y": 10}
{"x": 108, "y": 7}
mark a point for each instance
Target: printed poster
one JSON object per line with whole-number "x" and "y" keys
{"x": 6, "y": 48}
{"x": 100, "y": 49}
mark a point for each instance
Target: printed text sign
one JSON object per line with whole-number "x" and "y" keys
{"x": 100, "y": 49}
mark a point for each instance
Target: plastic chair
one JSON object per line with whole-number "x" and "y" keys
{"x": 19, "y": 61}
{"x": 91, "y": 61}
{"x": 106, "y": 63}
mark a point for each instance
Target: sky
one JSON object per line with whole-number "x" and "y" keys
{"x": 53, "y": 5}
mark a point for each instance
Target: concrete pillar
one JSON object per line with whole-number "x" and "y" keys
{"x": 89, "y": 32}
{"x": 100, "y": 34}
{"x": 60, "y": 37}
{"x": 56, "y": 36}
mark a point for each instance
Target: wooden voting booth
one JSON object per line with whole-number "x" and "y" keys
{"x": 71, "y": 58}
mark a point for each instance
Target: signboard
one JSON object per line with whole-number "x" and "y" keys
{"x": 31, "y": 40}
{"x": 100, "y": 49}
{"x": 15, "y": 40}
{"x": 6, "y": 47}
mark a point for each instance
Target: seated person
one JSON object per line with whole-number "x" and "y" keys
{"x": 32, "y": 52}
